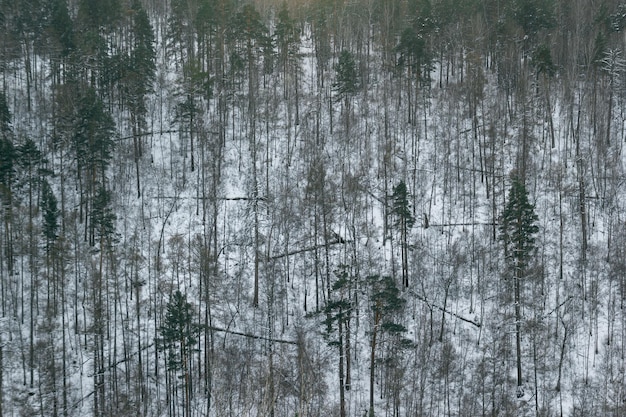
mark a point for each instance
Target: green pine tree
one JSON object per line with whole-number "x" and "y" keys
{"x": 404, "y": 221}
{"x": 140, "y": 65}
{"x": 347, "y": 79}
{"x": 287, "y": 38}
{"x": 8, "y": 155}
{"x": 386, "y": 305}
{"x": 542, "y": 61}
{"x": 518, "y": 226}
{"x": 61, "y": 28}
{"x": 8, "y": 160}
{"x": 518, "y": 229}
{"x": 50, "y": 213}
{"x": 401, "y": 206}
{"x": 338, "y": 311}
{"x": 411, "y": 50}
{"x": 5, "y": 116}
{"x": 178, "y": 336}
{"x": 102, "y": 216}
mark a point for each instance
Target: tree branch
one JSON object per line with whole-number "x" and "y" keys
{"x": 252, "y": 336}
{"x": 463, "y": 224}
{"x": 339, "y": 241}
{"x": 423, "y": 299}
{"x": 260, "y": 198}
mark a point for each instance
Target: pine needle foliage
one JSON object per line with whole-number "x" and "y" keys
{"x": 178, "y": 333}
{"x": 518, "y": 225}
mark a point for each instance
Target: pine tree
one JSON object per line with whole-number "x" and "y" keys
{"x": 8, "y": 156}
{"x": 517, "y": 229}
{"x": 338, "y": 311}
{"x": 139, "y": 76}
{"x": 102, "y": 216}
{"x": 386, "y": 304}
{"x": 195, "y": 84}
{"x": 534, "y": 15}
{"x": 542, "y": 60}
{"x": 141, "y": 65}
{"x": 347, "y": 79}
{"x": 86, "y": 128}
{"x": 49, "y": 207}
{"x": 178, "y": 336}
{"x": 518, "y": 226}
{"x": 8, "y": 159}
{"x": 29, "y": 161}
{"x": 61, "y": 28}
{"x": 346, "y": 85}
{"x": 404, "y": 222}
{"x": 5, "y": 116}
{"x": 411, "y": 50}
{"x": 98, "y": 14}
{"x": 177, "y": 332}
{"x": 287, "y": 39}
{"x": 50, "y": 214}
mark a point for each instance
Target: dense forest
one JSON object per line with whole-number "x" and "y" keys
{"x": 312, "y": 208}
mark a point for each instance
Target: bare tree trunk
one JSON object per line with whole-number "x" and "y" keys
{"x": 373, "y": 362}
{"x": 136, "y": 157}
{"x": 549, "y": 112}
{"x": 581, "y": 192}
{"x": 342, "y": 399}
{"x": 405, "y": 255}
{"x": 1, "y": 377}
{"x": 561, "y": 359}
{"x": 63, "y": 343}
{"x": 518, "y": 331}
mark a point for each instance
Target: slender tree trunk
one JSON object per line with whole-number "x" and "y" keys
{"x": 405, "y": 255}
{"x": 518, "y": 331}
{"x": 581, "y": 191}
{"x": 373, "y": 362}
{"x": 136, "y": 157}
{"x": 270, "y": 322}
{"x": 549, "y": 112}
{"x": 561, "y": 358}
{"x": 253, "y": 149}
{"x": 63, "y": 343}
{"x": 347, "y": 354}
{"x": 192, "y": 120}
{"x": 342, "y": 399}
{"x": 53, "y": 376}
{"x": 1, "y": 378}
{"x": 140, "y": 383}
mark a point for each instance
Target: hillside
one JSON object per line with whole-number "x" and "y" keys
{"x": 393, "y": 208}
